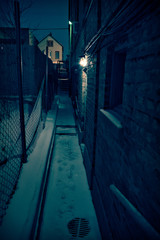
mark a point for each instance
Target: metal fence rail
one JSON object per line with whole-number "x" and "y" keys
{"x": 34, "y": 119}
{"x": 10, "y": 143}
{"x": 22, "y": 97}
{"x": 10, "y": 150}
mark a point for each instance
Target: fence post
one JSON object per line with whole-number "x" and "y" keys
{"x": 46, "y": 95}
{"x": 19, "y": 75}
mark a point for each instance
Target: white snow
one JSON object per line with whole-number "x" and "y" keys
{"x": 65, "y": 112}
{"x": 20, "y": 213}
{"x": 68, "y": 194}
{"x": 112, "y": 118}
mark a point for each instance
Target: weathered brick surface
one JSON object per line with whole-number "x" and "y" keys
{"x": 127, "y": 157}
{"x": 102, "y": 77}
{"x": 90, "y": 112}
{"x": 91, "y": 23}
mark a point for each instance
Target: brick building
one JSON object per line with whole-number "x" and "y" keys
{"x": 117, "y": 99}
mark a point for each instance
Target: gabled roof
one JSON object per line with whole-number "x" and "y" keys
{"x": 50, "y": 35}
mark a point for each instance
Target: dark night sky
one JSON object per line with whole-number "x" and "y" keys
{"x": 49, "y": 14}
{"x": 44, "y": 14}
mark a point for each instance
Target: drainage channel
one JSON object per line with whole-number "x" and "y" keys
{"x": 79, "y": 228}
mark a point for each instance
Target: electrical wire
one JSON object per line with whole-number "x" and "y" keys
{"x": 37, "y": 29}
{"x": 129, "y": 14}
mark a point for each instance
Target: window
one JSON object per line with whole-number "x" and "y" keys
{"x": 50, "y": 54}
{"x": 117, "y": 79}
{"x": 108, "y": 78}
{"x": 115, "y": 70}
{"x": 56, "y": 54}
{"x": 50, "y": 43}
{"x": 114, "y": 85}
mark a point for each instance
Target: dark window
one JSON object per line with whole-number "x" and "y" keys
{"x": 56, "y": 54}
{"x": 108, "y": 77}
{"x": 117, "y": 79}
{"x": 50, "y": 43}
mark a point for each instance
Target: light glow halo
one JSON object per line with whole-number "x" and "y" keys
{"x": 83, "y": 62}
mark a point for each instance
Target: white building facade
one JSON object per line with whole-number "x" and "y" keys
{"x": 55, "y": 49}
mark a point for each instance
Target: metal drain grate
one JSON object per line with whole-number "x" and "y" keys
{"x": 79, "y": 227}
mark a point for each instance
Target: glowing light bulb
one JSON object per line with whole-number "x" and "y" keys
{"x": 83, "y": 62}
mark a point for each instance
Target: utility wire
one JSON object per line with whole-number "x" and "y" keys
{"x": 119, "y": 22}
{"x": 48, "y": 28}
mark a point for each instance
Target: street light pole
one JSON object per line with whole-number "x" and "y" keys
{"x": 70, "y": 51}
{"x": 70, "y": 37}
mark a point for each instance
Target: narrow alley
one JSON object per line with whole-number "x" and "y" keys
{"x": 67, "y": 211}
{"x": 79, "y": 120}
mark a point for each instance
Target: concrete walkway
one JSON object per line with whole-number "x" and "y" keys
{"x": 68, "y": 212}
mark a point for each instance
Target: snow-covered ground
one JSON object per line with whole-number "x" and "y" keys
{"x": 68, "y": 196}
{"x": 18, "y": 220}
{"x": 68, "y": 210}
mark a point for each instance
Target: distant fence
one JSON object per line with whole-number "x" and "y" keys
{"x": 33, "y": 96}
{"x": 35, "y": 117}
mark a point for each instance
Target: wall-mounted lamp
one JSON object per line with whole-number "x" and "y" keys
{"x": 70, "y": 23}
{"x": 83, "y": 61}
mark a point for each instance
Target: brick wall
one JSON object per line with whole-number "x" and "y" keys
{"x": 127, "y": 138}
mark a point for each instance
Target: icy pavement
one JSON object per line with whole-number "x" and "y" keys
{"x": 65, "y": 112}
{"x": 68, "y": 211}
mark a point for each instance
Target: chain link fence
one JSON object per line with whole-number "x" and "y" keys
{"x": 33, "y": 62}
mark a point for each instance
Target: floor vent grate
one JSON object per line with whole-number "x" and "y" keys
{"x": 79, "y": 227}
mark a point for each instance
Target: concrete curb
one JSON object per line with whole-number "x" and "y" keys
{"x": 42, "y": 192}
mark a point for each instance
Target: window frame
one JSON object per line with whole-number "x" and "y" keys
{"x": 117, "y": 79}
{"x": 50, "y": 43}
{"x": 114, "y": 82}
{"x": 58, "y": 54}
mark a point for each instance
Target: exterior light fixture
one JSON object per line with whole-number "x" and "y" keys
{"x": 70, "y": 23}
{"x": 83, "y": 62}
